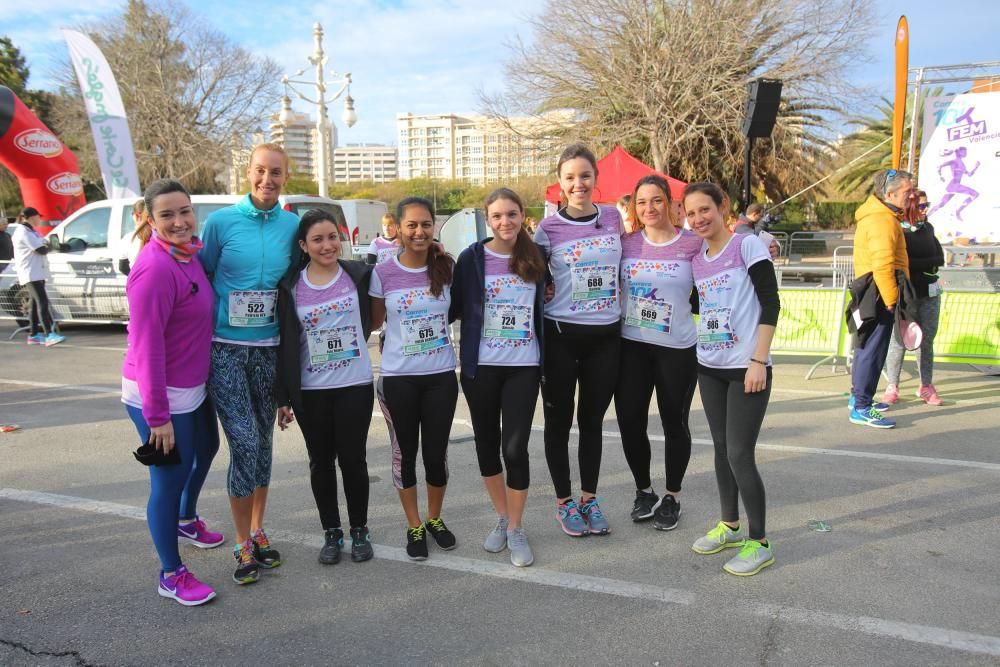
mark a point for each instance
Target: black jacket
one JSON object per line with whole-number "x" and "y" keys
{"x": 925, "y": 257}
{"x": 288, "y": 383}
{"x": 866, "y": 308}
{"x": 468, "y": 288}
{"x": 6, "y": 247}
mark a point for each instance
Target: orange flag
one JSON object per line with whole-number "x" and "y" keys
{"x": 902, "y": 70}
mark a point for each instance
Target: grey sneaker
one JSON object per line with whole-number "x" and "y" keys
{"x": 751, "y": 559}
{"x": 520, "y": 550}
{"x": 496, "y": 541}
{"x": 594, "y": 517}
{"x": 570, "y": 520}
{"x": 719, "y": 538}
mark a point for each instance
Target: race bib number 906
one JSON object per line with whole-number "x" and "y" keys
{"x": 713, "y": 326}
{"x": 252, "y": 308}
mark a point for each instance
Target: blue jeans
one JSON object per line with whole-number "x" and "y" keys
{"x": 174, "y": 489}
{"x": 868, "y": 360}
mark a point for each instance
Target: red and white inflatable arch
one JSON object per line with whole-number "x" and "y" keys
{"x": 46, "y": 169}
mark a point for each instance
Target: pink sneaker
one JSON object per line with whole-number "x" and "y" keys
{"x": 891, "y": 395}
{"x": 185, "y": 588}
{"x": 199, "y": 535}
{"x": 929, "y": 395}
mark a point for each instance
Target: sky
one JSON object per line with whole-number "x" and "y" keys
{"x": 433, "y": 56}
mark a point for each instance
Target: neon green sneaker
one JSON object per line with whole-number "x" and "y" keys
{"x": 751, "y": 559}
{"x": 719, "y": 538}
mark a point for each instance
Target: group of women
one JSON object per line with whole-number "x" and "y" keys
{"x": 264, "y": 317}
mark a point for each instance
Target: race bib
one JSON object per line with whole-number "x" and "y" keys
{"x": 934, "y": 289}
{"x": 252, "y": 308}
{"x": 422, "y": 334}
{"x": 713, "y": 326}
{"x": 326, "y": 345}
{"x": 506, "y": 320}
{"x": 595, "y": 282}
{"x": 648, "y": 314}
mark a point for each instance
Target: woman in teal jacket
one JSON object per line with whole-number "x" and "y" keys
{"x": 248, "y": 248}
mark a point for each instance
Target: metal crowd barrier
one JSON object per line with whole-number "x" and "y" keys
{"x": 817, "y": 243}
{"x": 84, "y": 291}
{"x": 782, "y": 239}
{"x": 843, "y": 262}
{"x": 811, "y": 321}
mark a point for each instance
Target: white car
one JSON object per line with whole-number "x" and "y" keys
{"x": 86, "y": 285}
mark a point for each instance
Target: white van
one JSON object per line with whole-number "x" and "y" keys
{"x": 364, "y": 219}
{"x": 86, "y": 285}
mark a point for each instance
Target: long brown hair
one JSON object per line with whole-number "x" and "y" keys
{"x": 439, "y": 263}
{"x": 664, "y": 187}
{"x": 144, "y": 231}
{"x": 912, "y": 214}
{"x": 525, "y": 258}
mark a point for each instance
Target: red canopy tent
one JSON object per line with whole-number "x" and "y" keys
{"x": 617, "y": 175}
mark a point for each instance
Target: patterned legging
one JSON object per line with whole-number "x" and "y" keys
{"x": 242, "y": 386}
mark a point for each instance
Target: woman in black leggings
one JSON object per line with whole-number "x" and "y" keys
{"x": 738, "y": 297}
{"x": 325, "y": 376}
{"x": 658, "y": 340}
{"x": 582, "y": 243}
{"x": 498, "y": 293}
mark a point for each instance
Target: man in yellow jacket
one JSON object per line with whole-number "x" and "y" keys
{"x": 879, "y": 249}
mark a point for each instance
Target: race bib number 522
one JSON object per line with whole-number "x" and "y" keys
{"x": 252, "y": 308}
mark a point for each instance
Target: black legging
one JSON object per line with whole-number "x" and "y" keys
{"x": 674, "y": 373}
{"x": 510, "y": 393}
{"x": 335, "y": 425}
{"x": 38, "y": 307}
{"x": 734, "y": 417}
{"x": 419, "y": 410}
{"x": 588, "y": 354}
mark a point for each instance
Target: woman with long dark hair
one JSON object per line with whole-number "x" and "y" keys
{"x": 417, "y": 388}
{"x": 498, "y": 292}
{"x": 325, "y": 376}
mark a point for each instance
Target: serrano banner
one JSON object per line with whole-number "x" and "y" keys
{"x": 960, "y": 166}
{"x": 108, "y": 123}
{"x": 46, "y": 170}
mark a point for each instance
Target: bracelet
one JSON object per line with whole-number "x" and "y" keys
{"x": 758, "y": 361}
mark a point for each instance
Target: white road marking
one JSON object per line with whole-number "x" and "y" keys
{"x": 71, "y": 346}
{"x": 68, "y": 387}
{"x": 876, "y": 627}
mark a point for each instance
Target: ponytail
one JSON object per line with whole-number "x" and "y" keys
{"x": 439, "y": 269}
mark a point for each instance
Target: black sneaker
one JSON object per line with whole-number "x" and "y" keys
{"x": 645, "y": 504}
{"x": 330, "y": 553}
{"x": 247, "y": 570}
{"x": 416, "y": 543}
{"x": 266, "y": 555}
{"x": 361, "y": 544}
{"x": 665, "y": 517}
{"x": 444, "y": 537}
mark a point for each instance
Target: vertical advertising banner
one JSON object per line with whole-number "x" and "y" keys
{"x": 960, "y": 166}
{"x": 108, "y": 123}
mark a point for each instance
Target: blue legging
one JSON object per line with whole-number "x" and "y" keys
{"x": 174, "y": 489}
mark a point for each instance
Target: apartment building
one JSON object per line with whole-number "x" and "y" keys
{"x": 355, "y": 163}
{"x": 296, "y": 132}
{"x": 478, "y": 149}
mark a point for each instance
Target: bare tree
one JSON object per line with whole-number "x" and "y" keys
{"x": 668, "y": 78}
{"x": 187, "y": 90}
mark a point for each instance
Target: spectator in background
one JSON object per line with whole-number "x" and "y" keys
{"x": 748, "y": 221}
{"x": 879, "y": 252}
{"x": 32, "y": 271}
{"x": 926, "y": 257}
{"x": 625, "y": 210}
{"x": 137, "y": 241}
{"x": 6, "y": 242}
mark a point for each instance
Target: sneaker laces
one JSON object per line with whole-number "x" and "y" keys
{"x": 568, "y": 508}
{"x": 719, "y": 532}
{"x": 875, "y": 414}
{"x": 417, "y": 533}
{"x": 516, "y": 537}
{"x": 260, "y": 539}
{"x": 244, "y": 554}
{"x": 591, "y": 508}
{"x": 185, "y": 579}
{"x": 198, "y": 526}
{"x": 750, "y": 548}
{"x": 437, "y": 525}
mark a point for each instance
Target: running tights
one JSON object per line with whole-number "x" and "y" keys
{"x": 734, "y": 418}
{"x": 587, "y": 355}
{"x": 39, "y": 311}
{"x": 674, "y": 373}
{"x": 335, "y": 423}
{"x": 507, "y": 393}
{"x": 174, "y": 489}
{"x": 419, "y": 410}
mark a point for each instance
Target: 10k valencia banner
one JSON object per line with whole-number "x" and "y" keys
{"x": 106, "y": 111}
{"x": 960, "y": 166}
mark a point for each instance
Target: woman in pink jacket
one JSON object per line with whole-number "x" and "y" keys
{"x": 163, "y": 382}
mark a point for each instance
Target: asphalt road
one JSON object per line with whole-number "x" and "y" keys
{"x": 907, "y": 576}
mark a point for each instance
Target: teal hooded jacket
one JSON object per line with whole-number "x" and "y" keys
{"x": 247, "y": 249}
